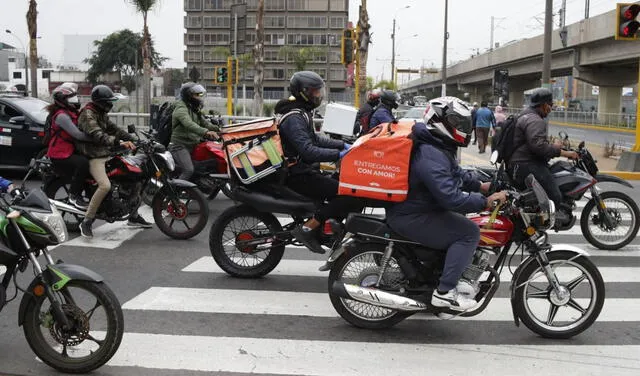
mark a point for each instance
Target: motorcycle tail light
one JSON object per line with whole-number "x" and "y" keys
{"x": 327, "y": 228}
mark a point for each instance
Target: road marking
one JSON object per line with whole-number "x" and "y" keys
{"x": 307, "y": 357}
{"x": 180, "y": 299}
{"x": 3, "y": 270}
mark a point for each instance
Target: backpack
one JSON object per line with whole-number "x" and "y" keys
{"x": 503, "y": 140}
{"x": 49, "y": 133}
{"x": 164, "y": 129}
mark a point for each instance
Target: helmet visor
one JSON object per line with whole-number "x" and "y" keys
{"x": 461, "y": 123}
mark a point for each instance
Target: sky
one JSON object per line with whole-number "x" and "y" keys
{"x": 469, "y": 26}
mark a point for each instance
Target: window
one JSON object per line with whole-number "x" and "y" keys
{"x": 7, "y": 112}
{"x": 208, "y": 73}
{"x": 194, "y": 39}
{"x": 218, "y": 39}
{"x": 306, "y": 22}
{"x": 251, "y": 22}
{"x": 193, "y": 22}
{"x": 251, "y": 38}
{"x": 17, "y": 75}
{"x": 338, "y": 74}
{"x": 338, "y": 5}
{"x": 12, "y": 59}
{"x": 271, "y": 21}
{"x": 306, "y": 39}
{"x": 274, "y": 5}
{"x": 307, "y": 4}
{"x": 274, "y": 39}
{"x": 338, "y": 22}
{"x": 210, "y": 55}
{"x": 213, "y": 4}
{"x": 252, "y": 4}
{"x": 273, "y": 56}
{"x": 274, "y": 74}
{"x": 194, "y": 56}
{"x": 46, "y": 74}
{"x": 193, "y": 5}
{"x": 216, "y": 22}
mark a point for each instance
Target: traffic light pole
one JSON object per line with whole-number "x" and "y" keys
{"x": 636, "y": 147}
{"x": 229, "y": 89}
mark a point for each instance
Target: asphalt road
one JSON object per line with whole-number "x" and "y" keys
{"x": 183, "y": 316}
{"x": 594, "y": 136}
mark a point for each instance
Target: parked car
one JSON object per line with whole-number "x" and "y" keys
{"x": 21, "y": 130}
{"x": 120, "y": 96}
{"x": 415, "y": 113}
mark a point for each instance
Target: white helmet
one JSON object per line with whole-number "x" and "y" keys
{"x": 66, "y": 95}
{"x": 449, "y": 119}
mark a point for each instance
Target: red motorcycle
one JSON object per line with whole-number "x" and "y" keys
{"x": 210, "y": 169}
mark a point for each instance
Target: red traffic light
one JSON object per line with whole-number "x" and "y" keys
{"x": 626, "y": 25}
{"x": 630, "y": 12}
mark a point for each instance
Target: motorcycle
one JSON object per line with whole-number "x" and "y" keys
{"x": 210, "y": 169}
{"x": 70, "y": 317}
{"x": 180, "y": 210}
{"x": 604, "y": 215}
{"x": 378, "y": 278}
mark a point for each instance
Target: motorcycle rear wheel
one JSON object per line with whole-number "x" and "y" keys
{"x": 165, "y": 210}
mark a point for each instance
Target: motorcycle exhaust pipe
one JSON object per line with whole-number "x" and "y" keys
{"x": 376, "y": 297}
{"x": 67, "y": 208}
{"x": 219, "y": 176}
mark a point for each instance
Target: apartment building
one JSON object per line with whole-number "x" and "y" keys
{"x": 288, "y": 24}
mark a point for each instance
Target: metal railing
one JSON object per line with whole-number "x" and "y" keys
{"x": 613, "y": 120}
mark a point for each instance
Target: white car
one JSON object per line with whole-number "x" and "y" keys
{"x": 120, "y": 96}
{"x": 415, "y": 113}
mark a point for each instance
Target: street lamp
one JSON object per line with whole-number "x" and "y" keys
{"x": 26, "y": 67}
{"x": 393, "y": 43}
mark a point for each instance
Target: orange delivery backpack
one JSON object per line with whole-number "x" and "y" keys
{"x": 377, "y": 165}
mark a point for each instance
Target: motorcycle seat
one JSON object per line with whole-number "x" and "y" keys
{"x": 374, "y": 226}
{"x": 275, "y": 200}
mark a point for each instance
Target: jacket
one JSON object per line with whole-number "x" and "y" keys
{"x": 485, "y": 118}
{"x": 104, "y": 133}
{"x": 188, "y": 126}
{"x": 64, "y": 125}
{"x": 531, "y": 139}
{"x": 363, "y": 118}
{"x": 300, "y": 143}
{"x": 436, "y": 181}
{"x": 381, "y": 115}
{"x": 4, "y": 184}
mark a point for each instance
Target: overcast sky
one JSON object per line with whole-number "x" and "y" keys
{"x": 469, "y": 26}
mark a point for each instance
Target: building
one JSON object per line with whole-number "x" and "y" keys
{"x": 288, "y": 24}
{"x": 9, "y": 55}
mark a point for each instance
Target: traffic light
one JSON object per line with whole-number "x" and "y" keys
{"x": 221, "y": 74}
{"x": 627, "y": 25}
{"x": 348, "y": 36}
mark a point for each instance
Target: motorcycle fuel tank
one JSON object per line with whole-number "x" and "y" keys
{"x": 495, "y": 234}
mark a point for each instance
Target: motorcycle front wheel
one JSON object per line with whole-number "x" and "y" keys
{"x": 96, "y": 321}
{"x": 625, "y": 217}
{"x": 180, "y": 213}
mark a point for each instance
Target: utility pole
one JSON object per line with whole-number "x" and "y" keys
{"x": 327, "y": 80}
{"x": 563, "y": 21}
{"x": 493, "y": 20}
{"x": 546, "y": 55}
{"x": 444, "y": 49}
{"x": 393, "y": 49}
{"x": 586, "y": 9}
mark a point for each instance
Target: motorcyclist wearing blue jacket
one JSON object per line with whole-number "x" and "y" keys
{"x": 440, "y": 193}
{"x": 382, "y": 114}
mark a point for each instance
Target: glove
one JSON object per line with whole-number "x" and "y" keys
{"x": 343, "y": 153}
{"x": 346, "y": 146}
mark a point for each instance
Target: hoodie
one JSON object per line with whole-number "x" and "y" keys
{"x": 436, "y": 181}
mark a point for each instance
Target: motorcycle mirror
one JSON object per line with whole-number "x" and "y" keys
{"x": 563, "y": 135}
{"x": 131, "y": 128}
{"x": 581, "y": 145}
{"x": 494, "y": 157}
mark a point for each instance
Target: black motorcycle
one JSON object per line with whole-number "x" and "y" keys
{"x": 71, "y": 319}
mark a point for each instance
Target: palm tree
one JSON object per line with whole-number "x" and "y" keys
{"x": 144, "y": 6}
{"x": 301, "y": 56}
{"x": 364, "y": 39}
{"x": 32, "y": 25}
{"x": 258, "y": 61}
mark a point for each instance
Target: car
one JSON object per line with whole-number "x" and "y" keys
{"x": 120, "y": 96}
{"x": 21, "y": 130}
{"x": 415, "y": 113}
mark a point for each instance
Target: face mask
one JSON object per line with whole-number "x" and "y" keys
{"x": 75, "y": 106}
{"x": 106, "y": 106}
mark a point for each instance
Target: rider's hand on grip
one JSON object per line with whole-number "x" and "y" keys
{"x": 569, "y": 154}
{"x": 128, "y": 145}
{"x": 496, "y": 198}
{"x": 212, "y": 135}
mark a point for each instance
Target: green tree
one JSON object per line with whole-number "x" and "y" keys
{"x": 117, "y": 52}
{"x": 32, "y": 26}
{"x": 386, "y": 85}
{"x": 300, "y": 56}
{"x": 143, "y": 7}
{"x": 370, "y": 84}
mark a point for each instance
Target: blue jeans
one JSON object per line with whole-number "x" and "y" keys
{"x": 446, "y": 230}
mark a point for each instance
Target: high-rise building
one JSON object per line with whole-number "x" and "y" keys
{"x": 289, "y": 25}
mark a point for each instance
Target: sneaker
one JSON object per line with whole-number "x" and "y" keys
{"x": 465, "y": 288}
{"x": 308, "y": 238}
{"x": 85, "y": 228}
{"x": 138, "y": 221}
{"x": 79, "y": 202}
{"x": 452, "y": 300}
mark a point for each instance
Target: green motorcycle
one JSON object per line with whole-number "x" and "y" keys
{"x": 71, "y": 319}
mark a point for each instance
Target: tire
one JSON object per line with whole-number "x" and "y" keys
{"x": 597, "y": 292}
{"x": 52, "y": 190}
{"x": 392, "y": 318}
{"x": 585, "y": 221}
{"x": 33, "y": 330}
{"x": 161, "y": 201}
{"x": 217, "y": 238}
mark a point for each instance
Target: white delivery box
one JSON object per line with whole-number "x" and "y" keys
{"x": 339, "y": 119}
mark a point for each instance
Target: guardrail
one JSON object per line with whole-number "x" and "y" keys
{"x": 623, "y": 120}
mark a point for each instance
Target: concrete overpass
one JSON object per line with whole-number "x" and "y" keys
{"x": 591, "y": 55}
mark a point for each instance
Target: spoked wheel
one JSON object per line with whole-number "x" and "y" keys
{"x": 243, "y": 242}
{"x": 182, "y": 217}
{"x": 58, "y": 190}
{"x": 96, "y": 328}
{"x": 568, "y": 312}
{"x": 616, "y": 231}
{"x": 361, "y": 268}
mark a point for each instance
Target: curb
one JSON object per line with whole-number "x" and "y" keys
{"x": 627, "y": 175}
{"x": 592, "y": 127}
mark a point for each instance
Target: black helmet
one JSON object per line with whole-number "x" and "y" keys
{"x": 193, "y": 94}
{"x": 389, "y": 98}
{"x": 103, "y": 97}
{"x": 449, "y": 119}
{"x": 540, "y": 96}
{"x": 307, "y": 86}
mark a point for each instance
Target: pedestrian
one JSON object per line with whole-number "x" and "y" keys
{"x": 484, "y": 122}
{"x": 473, "y": 122}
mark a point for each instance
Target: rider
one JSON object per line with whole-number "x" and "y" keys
{"x": 303, "y": 148}
{"x": 104, "y": 135}
{"x": 439, "y": 196}
{"x": 382, "y": 114}
{"x": 6, "y": 185}
{"x": 189, "y": 126}
{"x": 64, "y": 133}
{"x": 363, "y": 118}
{"x": 533, "y": 151}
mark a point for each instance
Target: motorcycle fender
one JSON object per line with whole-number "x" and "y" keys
{"x": 516, "y": 275}
{"x": 601, "y": 178}
{"x": 62, "y": 274}
{"x": 181, "y": 183}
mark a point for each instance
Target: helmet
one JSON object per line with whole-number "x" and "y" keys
{"x": 390, "y": 98}
{"x": 308, "y": 86}
{"x": 475, "y": 104}
{"x": 103, "y": 97}
{"x": 374, "y": 95}
{"x": 540, "y": 96}
{"x": 449, "y": 119}
{"x": 193, "y": 94}
{"x": 66, "y": 96}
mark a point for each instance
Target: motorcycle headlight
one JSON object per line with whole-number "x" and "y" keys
{"x": 54, "y": 222}
{"x": 168, "y": 160}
